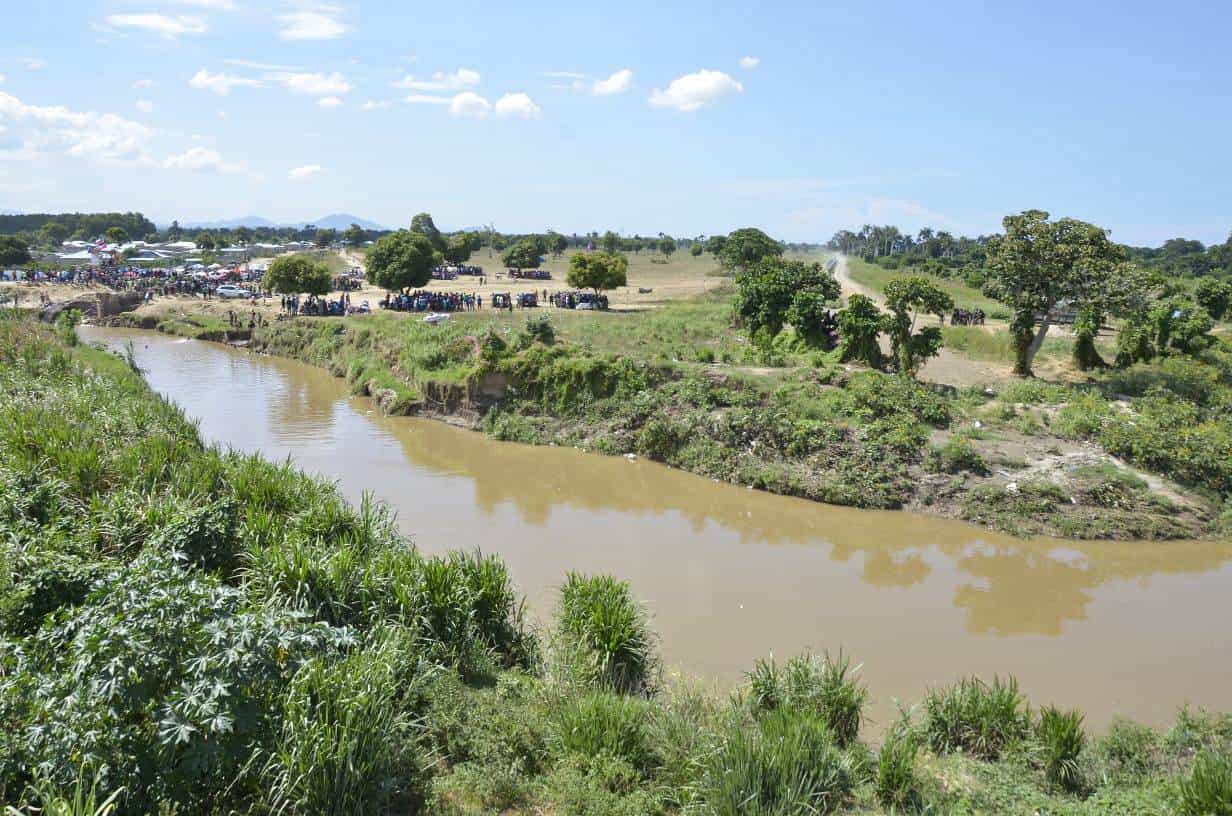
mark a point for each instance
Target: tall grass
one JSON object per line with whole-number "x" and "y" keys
{"x": 1062, "y": 739}
{"x": 821, "y": 684}
{"x": 1208, "y": 790}
{"x": 607, "y": 724}
{"x": 979, "y": 718}
{"x": 604, "y": 635}
{"x": 81, "y": 798}
{"x": 896, "y": 785}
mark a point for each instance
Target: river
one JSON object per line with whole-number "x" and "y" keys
{"x": 730, "y": 574}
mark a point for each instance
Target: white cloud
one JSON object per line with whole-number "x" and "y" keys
{"x": 617, "y": 83}
{"x": 314, "y": 84}
{"x": 144, "y": 83}
{"x": 201, "y": 158}
{"x": 220, "y": 5}
{"x": 749, "y": 63}
{"x": 518, "y": 105}
{"x": 373, "y": 104}
{"x": 692, "y": 91}
{"x": 2, "y": 77}
{"x": 563, "y": 75}
{"x": 469, "y": 104}
{"x": 428, "y": 99}
{"x": 300, "y": 173}
{"x": 145, "y": 106}
{"x": 329, "y": 101}
{"x": 320, "y": 23}
{"x": 221, "y": 84}
{"x": 441, "y": 81}
{"x": 76, "y": 133}
{"x": 159, "y": 23}
{"x": 776, "y": 187}
{"x": 883, "y": 206}
{"x": 32, "y": 63}
{"x": 260, "y": 66}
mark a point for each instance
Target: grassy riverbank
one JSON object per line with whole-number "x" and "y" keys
{"x": 679, "y": 385}
{"x": 198, "y": 631}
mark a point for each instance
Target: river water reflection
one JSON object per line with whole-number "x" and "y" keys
{"x": 730, "y": 574}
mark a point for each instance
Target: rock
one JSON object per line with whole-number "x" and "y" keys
{"x": 1012, "y": 487}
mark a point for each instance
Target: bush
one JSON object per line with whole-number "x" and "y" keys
{"x": 975, "y": 717}
{"x": 1060, "y": 733}
{"x": 789, "y": 764}
{"x": 1129, "y": 749}
{"x": 955, "y": 456}
{"x": 822, "y": 685}
{"x": 604, "y": 724}
{"x": 896, "y": 784}
{"x": 1208, "y": 790}
{"x": 605, "y": 635}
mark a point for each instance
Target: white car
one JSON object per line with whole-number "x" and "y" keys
{"x": 228, "y": 290}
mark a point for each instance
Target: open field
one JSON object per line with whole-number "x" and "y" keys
{"x": 876, "y": 277}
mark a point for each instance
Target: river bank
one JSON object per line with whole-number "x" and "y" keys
{"x": 466, "y": 711}
{"x": 678, "y": 386}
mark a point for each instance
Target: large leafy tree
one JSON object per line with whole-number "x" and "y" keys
{"x": 767, "y": 291}
{"x": 667, "y": 245}
{"x": 52, "y": 234}
{"x": 116, "y": 235}
{"x": 13, "y": 251}
{"x": 425, "y": 226}
{"x": 746, "y": 247}
{"x": 354, "y": 235}
{"x": 296, "y": 274}
{"x": 557, "y": 243}
{"x": 458, "y": 248}
{"x": 610, "y": 242}
{"x": 598, "y": 271}
{"x": 525, "y": 254}
{"x": 715, "y": 244}
{"x": 1038, "y": 264}
{"x": 205, "y": 241}
{"x": 402, "y": 260}
{"x": 1215, "y": 296}
{"x": 907, "y": 299}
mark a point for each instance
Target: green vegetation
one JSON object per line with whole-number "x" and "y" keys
{"x": 296, "y": 274}
{"x": 186, "y": 629}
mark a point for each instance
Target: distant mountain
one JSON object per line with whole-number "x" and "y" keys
{"x": 338, "y": 221}
{"x": 341, "y": 221}
{"x": 250, "y": 221}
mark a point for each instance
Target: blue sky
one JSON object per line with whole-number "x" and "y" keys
{"x": 686, "y": 117}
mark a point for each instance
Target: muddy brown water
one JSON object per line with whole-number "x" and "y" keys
{"x": 731, "y": 574}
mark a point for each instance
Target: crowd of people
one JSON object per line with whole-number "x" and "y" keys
{"x": 452, "y": 272}
{"x": 967, "y": 317}
{"x": 313, "y": 306}
{"x": 425, "y": 301}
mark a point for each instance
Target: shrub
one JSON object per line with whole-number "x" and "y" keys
{"x": 604, "y": 724}
{"x": 821, "y": 685}
{"x": 896, "y": 784}
{"x": 1208, "y": 790}
{"x": 973, "y": 716}
{"x": 1130, "y": 749}
{"x": 1060, "y": 733}
{"x": 789, "y": 764}
{"x": 605, "y": 634}
{"x": 955, "y": 456}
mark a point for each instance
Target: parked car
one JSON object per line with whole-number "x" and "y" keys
{"x": 228, "y": 290}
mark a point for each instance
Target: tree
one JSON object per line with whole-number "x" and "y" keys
{"x": 1038, "y": 264}
{"x": 907, "y": 299}
{"x": 174, "y": 233}
{"x": 116, "y": 235}
{"x": 354, "y": 235}
{"x": 525, "y": 254}
{"x": 859, "y": 327}
{"x": 1181, "y": 325}
{"x": 667, "y": 245}
{"x": 52, "y": 234}
{"x": 1215, "y": 296}
{"x": 746, "y": 247}
{"x": 206, "y": 242}
{"x": 610, "y": 243}
{"x": 401, "y": 260}
{"x": 296, "y": 274}
{"x": 767, "y": 290}
{"x": 423, "y": 224}
{"x": 243, "y": 235}
{"x": 598, "y": 271}
{"x": 13, "y": 251}
{"x": 458, "y": 248}
{"x": 715, "y": 244}
{"x": 557, "y": 243}
{"x": 696, "y": 249}
{"x": 325, "y": 237}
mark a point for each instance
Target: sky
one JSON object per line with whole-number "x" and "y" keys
{"x": 687, "y": 118}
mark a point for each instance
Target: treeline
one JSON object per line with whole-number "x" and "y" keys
{"x": 1182, "y": 257}
{"x": 45, "y": 228}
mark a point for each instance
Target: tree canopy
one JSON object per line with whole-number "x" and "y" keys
{"x": 402, "y": 260}
{"x": 667, "y": 245}
{"x": 296, "y": 274}
{"x": 746, "y": 247}
{"x": 423, "y": 224}
{"x": 1215, "y": 296}
{"x": 598, "y": 270}
{"x": 767, "y": 290}
{"x": 907, "y": 299}
{"x": 354, "y": 235}
{"x": 525, "y": 254}
{"x": 13, "y": 251}
{"x": 458, "y": 248}
{"x": 1038, "y": 264}
{"x": 116, "y": 235}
